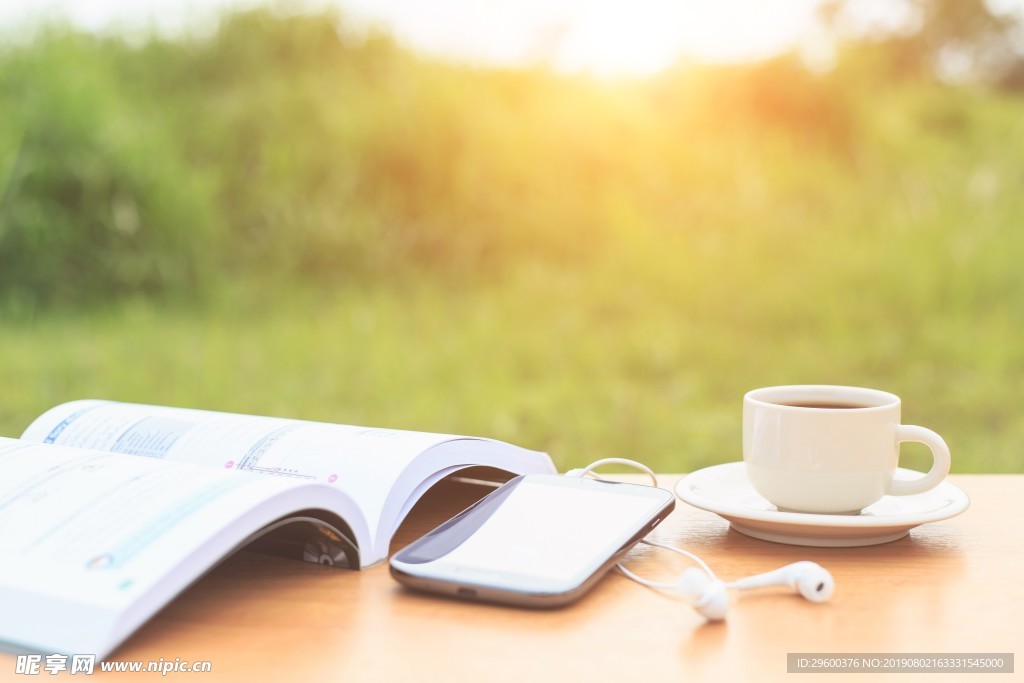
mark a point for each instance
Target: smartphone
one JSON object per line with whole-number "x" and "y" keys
{"x": 536, "y": 541}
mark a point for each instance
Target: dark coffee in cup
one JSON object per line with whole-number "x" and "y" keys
{"x": 826, "y": 406}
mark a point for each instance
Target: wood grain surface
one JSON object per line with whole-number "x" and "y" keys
{"x": 951, "y": 586}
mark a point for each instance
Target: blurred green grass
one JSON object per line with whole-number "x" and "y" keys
{"x": 560, "y": 362}
{"x": 276, "y": 220}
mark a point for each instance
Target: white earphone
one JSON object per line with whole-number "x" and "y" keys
{"x": 709, "y": 595}
{"x": 705, "y": 591}
{"x": 811, "y": 580}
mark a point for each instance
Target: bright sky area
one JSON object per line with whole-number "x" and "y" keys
{"x": 621, "y": 37}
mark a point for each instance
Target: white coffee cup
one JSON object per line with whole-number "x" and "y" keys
{"x": 831, "y": 449}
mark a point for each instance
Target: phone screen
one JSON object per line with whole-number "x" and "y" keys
{"x": 536, "y": 534}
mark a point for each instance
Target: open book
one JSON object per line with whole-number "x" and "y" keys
{"x": 94, "y": 539}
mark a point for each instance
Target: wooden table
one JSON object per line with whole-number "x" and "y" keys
{"x": 952, "y": 586}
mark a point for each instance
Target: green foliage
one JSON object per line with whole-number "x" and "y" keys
{"x": 278, "y": 147}
{"x": 95, "y": 197}
{"x": 288, "y": 220}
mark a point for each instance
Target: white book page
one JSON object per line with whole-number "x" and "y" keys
{"x": 363, "y": 462}
{"x": 83, "y": 530}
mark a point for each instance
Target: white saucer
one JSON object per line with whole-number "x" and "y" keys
{"x": 726, "y": 491}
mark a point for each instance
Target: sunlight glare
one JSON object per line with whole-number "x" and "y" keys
{"x": 602, "y": 36}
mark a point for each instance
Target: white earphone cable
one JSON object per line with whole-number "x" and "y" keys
{"x": 646, "y": 582}
{"x": 685, "y": 553}
{"x": 589, "y": 469}
{"x": 713, "y": 602}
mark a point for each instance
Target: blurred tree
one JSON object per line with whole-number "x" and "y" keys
{"x": 955, "y": 40}
{"x": 94, "y": 199}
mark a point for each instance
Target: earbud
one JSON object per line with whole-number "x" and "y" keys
{"x": 812, "y": 580}
{"x": 708, "y": 596}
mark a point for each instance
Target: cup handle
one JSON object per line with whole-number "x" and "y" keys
{"x": 940, "y": 461}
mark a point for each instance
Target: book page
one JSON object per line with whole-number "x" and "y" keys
{"x": 81, "y": 512}
{"x": 85, "y": 528}
{"x": 363, "y": 462}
